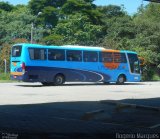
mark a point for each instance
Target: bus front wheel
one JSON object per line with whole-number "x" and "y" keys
{"x": 121, "y": 79}
{"x": 59, "y": 79}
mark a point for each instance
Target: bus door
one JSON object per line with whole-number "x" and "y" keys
{"x": 134, "y": 63}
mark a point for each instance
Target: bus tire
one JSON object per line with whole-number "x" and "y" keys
{"x": 59, "y": 79}
{"x": 121, "y": 79}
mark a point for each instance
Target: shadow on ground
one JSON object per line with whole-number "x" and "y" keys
{"x": 81, "y": 119}
{"x": 79, "y": 84}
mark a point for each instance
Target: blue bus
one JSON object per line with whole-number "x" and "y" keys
{"x": 55, "y": 65}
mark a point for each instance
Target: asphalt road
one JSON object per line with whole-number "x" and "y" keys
{"x": 79, "y": 110}
{"x": 33, "y": 93}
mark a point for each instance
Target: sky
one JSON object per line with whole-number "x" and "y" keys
{"x": 130, "y": 5}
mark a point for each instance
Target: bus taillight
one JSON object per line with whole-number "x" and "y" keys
{"x": 23, "y": 67}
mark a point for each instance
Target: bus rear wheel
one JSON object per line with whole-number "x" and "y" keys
{"x": 121, "y": 79}
{"x": 59, "y": 79}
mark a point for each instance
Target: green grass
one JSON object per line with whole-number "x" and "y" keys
{"x": 7, "y": 81}
{"x": 5, "y": 78}
{"x": 156, "y": 77}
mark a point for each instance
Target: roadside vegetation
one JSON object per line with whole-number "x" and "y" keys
{"x": 81, "y": 22}
{"x": 4, "y": 77}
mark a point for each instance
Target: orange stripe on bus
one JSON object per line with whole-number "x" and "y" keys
{"x": 111, "y": 65}
{"x": 17, "y": 73}
{"x": 110, "y": 50}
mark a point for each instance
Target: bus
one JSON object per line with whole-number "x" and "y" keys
{"x": 55, "y": 65}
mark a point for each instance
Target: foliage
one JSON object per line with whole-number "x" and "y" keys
{"x": 53, "y": 40}
{"x": 4, "y": 76}
{"x": 5, "y": 55}
{"x": 49, "y": 9}
{"x": 111, "y": 11}
{"x": 77, "y": 29}
{"x": 6, "y": 6}
{"x": 87, "y": 8}
{"x": 17, "y": 24}
{"x": 147, "y": 42}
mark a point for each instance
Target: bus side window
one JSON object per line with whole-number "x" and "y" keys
{"x": 89, "y": 56}
{"x": 123, "y": 58}
{"x": 56, "y": 54}
{"x": 74, "y": 55}
{"x": 117, "y": 57}
{"x": 31, "y": 53}
{"x": 106, "y": 57}
{"x": 37, "y": 54}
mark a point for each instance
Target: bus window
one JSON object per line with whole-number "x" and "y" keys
{"x": 117, "y": 57}
{"x": 74, "y": 55}
{"x": 134, "y": 63}
{"x": 16, "y": 51}
{"x": 37, "y": 54}
{"x": 120, "y": 58}
{"x": 123, "y": 58}
{"x": 107, "y": 57}
{"x": 56, "y": 55}
{"x": 90, "y": 56}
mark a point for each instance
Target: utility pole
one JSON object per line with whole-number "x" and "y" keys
{"x": 5, "y": 66}
{"x": 32, "y": 27}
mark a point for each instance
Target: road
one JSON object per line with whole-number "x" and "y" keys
{"x": 33, "y": 93}
{"x": 30, "y": 110}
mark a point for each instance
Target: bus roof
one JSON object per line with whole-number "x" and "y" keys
{"x": 74, "y": 47}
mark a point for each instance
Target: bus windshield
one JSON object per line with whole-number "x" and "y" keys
{"x": 16, "y": 51}
{"x": 134, "y": 63}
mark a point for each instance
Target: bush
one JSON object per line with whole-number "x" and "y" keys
{"x": 156, "y": 77}
{"x": 4, "y": 76}
{"x": 150, "y": 73}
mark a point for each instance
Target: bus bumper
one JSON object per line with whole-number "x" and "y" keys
{"x": 134, "y": 78}
{"x": 16, "y": 77}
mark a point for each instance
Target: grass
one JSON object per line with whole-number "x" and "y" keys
{"x": 7, "y": 81}
{"x": 156, "y": 77}
{"x": 5, "y": 78}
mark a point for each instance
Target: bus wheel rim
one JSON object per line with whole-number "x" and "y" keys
{"x": 59, "y": 80}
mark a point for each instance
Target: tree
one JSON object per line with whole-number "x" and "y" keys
{"x": 49, "y": 9}
{"x": 118, "y": 28}
{"x": 5, "y": 55}
{"x": 85, "y": 7}
{"x": 17, "y": 24}
{"x": 6, "y": 6}
{"x": 111, "y": 11}
{"x": 146, "y": 41}
{"x": 53, "y": 39}
{"x": 78, "y": 29}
